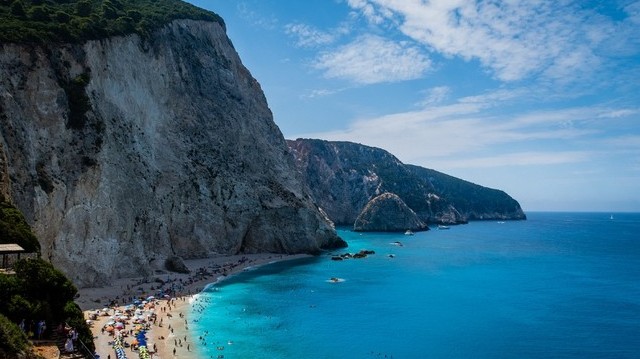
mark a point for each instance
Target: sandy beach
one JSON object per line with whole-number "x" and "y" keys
{"x": 165, "y": 316}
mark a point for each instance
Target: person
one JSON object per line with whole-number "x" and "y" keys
{"x": 74, "y": 336}
{"x": 40, "y": 328}
{"x": 68, "y": 345}
{"x": 22, "y": 325}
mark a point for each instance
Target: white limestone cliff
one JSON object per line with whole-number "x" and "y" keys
{"x": 128, "y": 150}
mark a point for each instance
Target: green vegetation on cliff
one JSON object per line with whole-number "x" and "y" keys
{"x": 12, "y": 339}
{"x": 39, "y": 21}
{"x": 37, "y": 291}
{"x": 15, "y": 229}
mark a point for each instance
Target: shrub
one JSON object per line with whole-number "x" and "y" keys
{"x": 12, "y": 339}
{"x": 15, "y": 229}
{"x": 90, "y": 19}
{"x": 62, "y": 17}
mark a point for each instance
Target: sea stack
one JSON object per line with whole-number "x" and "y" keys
{"x": 388, "y": 213}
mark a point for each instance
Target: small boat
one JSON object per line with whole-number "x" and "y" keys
{"x": 408, "y": 232}
{"x": 611, "y": 217}
{"x": 442, "y": 226}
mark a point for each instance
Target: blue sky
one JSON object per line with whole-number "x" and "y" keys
{"x": 538, "y": 98}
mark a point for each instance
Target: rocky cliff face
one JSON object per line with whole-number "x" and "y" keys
{"x": 344, "y": 177}
{"x": 125, "y": 151}
{"x": 473, "y": 201}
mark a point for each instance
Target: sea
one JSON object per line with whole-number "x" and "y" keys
{"x": 558, "y": 285}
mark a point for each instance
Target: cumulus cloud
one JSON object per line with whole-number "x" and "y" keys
{"x": 372, "y": 59}
{"x": 513, "y": 39}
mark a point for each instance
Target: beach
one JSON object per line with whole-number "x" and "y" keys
{"x": 136, "y": 303}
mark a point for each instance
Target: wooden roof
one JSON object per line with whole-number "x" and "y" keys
{"x": 10, "y": 248}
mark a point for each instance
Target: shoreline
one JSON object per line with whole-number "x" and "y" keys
{"x": 166, "y": 323}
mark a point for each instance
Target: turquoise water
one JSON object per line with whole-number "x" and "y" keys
{"x": 560, "y": 285}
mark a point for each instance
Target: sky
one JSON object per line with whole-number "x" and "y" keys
{"x": 539, "y": 98}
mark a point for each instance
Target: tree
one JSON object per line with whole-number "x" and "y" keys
{"x": 39, "y": 13}
{"x": 83, "y": 8}
{"x": 17, "y": 9}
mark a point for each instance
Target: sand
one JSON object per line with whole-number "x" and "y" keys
{"x": 169, "y": 331}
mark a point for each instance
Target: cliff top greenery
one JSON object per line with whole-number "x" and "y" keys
{"x": 15, "y": 229}
{"x": 72, "y": 21}
{"x": 37, "y": 291}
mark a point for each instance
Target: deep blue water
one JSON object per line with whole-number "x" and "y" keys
{"x": 559, "y": 285}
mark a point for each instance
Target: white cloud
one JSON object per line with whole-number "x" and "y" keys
{"x": 256, "y": 19}
{"x": 620, "y": 113}
{"x": 474, "y": 130}
{"x": 436, "y": 95}
{"x": 321, "y": 93}
{"x": 308, "y": 36}
{"x": 372, "y": 59}
{"x": 542, "y": 158}
{"x": 367, "y": 10}
{"x": 514, "y": 39}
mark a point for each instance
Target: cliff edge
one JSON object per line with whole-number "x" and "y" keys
{"x": 124, "y": 151}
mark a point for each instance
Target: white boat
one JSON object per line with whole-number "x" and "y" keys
{"x": 408, "y": 233}
{"x": 442, "y": 226}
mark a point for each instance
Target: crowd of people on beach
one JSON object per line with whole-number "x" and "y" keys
{"x": 147, "y": 309}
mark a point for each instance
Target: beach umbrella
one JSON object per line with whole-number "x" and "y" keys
{"x": 111, "y": 322}
{"x": 151, "y": 298}
{"x": 119, "y": 325}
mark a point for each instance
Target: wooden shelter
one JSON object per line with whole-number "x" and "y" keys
{"x": 9, "y": 250}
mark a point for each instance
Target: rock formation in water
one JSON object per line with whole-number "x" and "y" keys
{"x": 345, "y": 176}
{"x": 125, "y": 151}
{"x": 388, "y": 213}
